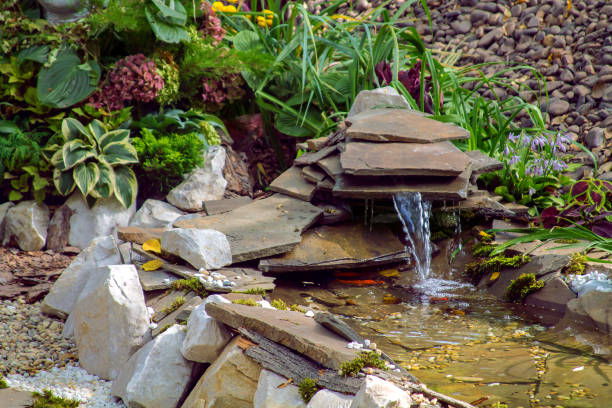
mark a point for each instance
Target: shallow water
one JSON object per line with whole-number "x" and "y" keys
{"x": 464, "y": 342}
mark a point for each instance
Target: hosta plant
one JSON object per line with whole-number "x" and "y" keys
{"x": 94, "y": 160}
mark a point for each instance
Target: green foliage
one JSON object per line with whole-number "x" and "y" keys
{"x": 94, "y": 160}
{"x": 576, "y": 265}
{"x": 192, "y": 284}
{"x": 170, "y": 74}
{"x": 48, "y": 400}
{"x": 365, "y": 359}
{"x": 477, "y": 269}
{"x": 165, "y": 159}
{"x": 255, "y": 291}
{"x": 246, "y": 302}
{"x": 307, "y": 388}
{"x": 3, "y": 383}
{"x": 522, "y": 286}
{"x": 279, "y": 304}
{"x": 167, "y": 20}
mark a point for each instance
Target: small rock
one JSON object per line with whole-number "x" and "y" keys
{"x": 155, "y": 214}
{"x": 378, "y": 393}
{"x": 26, "y": 225}
{"x": 594, "y": 138}
{"x": 558, "y": 106}
{"x": 202, "y": 248}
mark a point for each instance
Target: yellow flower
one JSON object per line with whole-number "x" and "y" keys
{"x": 266, "y": 11}
{"x": 217, "y": 6}
{"x": 232, "y": 1}
{"x": 229, "y": 9}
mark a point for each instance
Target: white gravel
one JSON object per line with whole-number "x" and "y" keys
{"x": 68, "y": 382}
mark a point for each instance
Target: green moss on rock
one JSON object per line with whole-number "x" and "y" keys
{"x": 522, "y": 286}
{"x": 477, "y": 269}
{"x": 576, "y": 265}
{"x": 365, "y": 359}
{"x": 307, "y": 388}
{"x": 48, "y": 400}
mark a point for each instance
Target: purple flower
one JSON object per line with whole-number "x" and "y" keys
{"x": 513, "y": 138}
{"x": 514, "y": 160}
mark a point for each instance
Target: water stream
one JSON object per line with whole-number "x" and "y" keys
{"x": 414, "y": 213}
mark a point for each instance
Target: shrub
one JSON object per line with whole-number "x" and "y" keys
{"x": 164, "y": 159}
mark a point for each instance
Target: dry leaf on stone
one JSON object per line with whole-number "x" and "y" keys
{"x": 152, "y": 245}
{"x": 286, "y": 383}
{"x": 152, "y": 265}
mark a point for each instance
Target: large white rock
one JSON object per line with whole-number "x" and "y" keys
{"x": 268, "y": 395}
{"x": 102, "y": 219}
{"x": 111, "y": 320}
{"x": 230, "y": 382}
{"x": 65, "y": 291}
{"x": 205, "y": 336}
{"x": 202, "y": 248}
{"x": 157, "y": 374}
{"x": 378, "y": 393}
{"x": 330, "y": 399}
{"x": 4, "y": 207}
{"x": 202, "y": 184}
{"x": 26, "y": 225}
{"x": 379, "y": 97}
{"x": 155, "y": 214}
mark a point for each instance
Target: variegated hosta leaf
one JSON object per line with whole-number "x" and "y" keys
{"x": 114, "y": 136}
{"x": 75, "y": 152}
{"x": 57, "y": 160}
{"x": 119, "y": 153}
{"x": 97, "y": 129}
{"x": 73, "y": 129}
{"x": 126, "y": 186}
{"x": 104, "y": 186}
{"x": 86, "y": 176}
{"x": 64, "y": 183}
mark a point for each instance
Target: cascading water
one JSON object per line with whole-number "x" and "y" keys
{"x": 414, "y": 213}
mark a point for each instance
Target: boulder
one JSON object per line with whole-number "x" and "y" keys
{"x": 65, "y": 291}
{"x": 202, "y": 184}
{"x": 553, "y": 296}
{"x": 205, "y": 336}
{"x": 592, "y": 308}
{"x": 230, "y": 382}
{"x": 26, "y": 225}
{"x": 269, "y": 395}
{"x": 101, "y": 219}
{"x": 202, "y": 248}
{"x": 330, "y": 399}
{"x": 380, "y": 97}
{"x": 155, "y": 214}
{"x": 111, "y": 320}
{"x": 4, "y": 207}
{"x": 378, "y": 393}
{"x": 156, "y": 375}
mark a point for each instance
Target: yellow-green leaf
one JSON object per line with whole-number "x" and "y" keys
{"x": 152, "y": 245}
{"x": 389, "y": 273}
{"x": 152, "y": 265}
{"x": 494, "y": 276}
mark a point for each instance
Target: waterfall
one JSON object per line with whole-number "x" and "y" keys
{"x": 414, "y": 213}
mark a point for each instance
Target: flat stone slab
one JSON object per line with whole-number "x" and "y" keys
{"x": 262, "y": 228}
{"x": 318, "y": 143}
{"x": 331, "y": 165}
{"x": 481, "y": 163}
{"x": 403, "y": 159}
{"x": 291, "y": 329}
{"x": 431, "y": 188}
{"x": 311, "y": 158}
{"x": 139, "y": 235}
{"x": 10, "y": 398}
{"x": 173, "y": 318}
{"x": 214, "y": 207}
{"x": 351, "y": 245}
{"x": 401, "y": 125}
{"x": 313, "y": 174}
{"x": 293, "y": 183}
{"x": 155, "y": 280}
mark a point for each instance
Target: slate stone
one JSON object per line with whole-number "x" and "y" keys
{"x": 311, "y": 158}
{"x": 139, "y": 235}
{"x": 214, "y": 207}
{"x": 262, "y": 228}
{"x": 331, "y": 166}
{"x": 377, "y": 98}
{"x": 402, "y": 125}
{"x": 291, "y": 329}
{"x": 161, "y": 305}
{"x": 481, "y": 163}
{"x": 292, "y": 183}
{"x": 403, "y": 159}
{"x": 317, "y": 143}
{"x": 155, "y": 280}
{"x": 326, "y": 185}
{"x": 342, "y": 246}
{"x": 10, "y": 398}
{"x": 313, "y": 174}
{"x": 431, "y": 188}
{"x": 172, "y": 318}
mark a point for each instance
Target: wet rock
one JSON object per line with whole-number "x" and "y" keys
{"x": 330, "y": 399}
{"x": 202, "y": 248}
{"x": 380, "y": 97}
{"x": 26, "y": 225}
{"x": 593, "y": 307}
{"x": 111, "y": 320}
{"x": 65, "y": 291}
{"x": 230, "y": 382}
{"x": 157, "y": 374}
{"x": 100, "y": 220}
{"x": 270, "y": 395}
{"x": 378, "y": 393}
{"x": 553, "y": 296}
{"x": 155, "y": 214}
{"x": 202, "y": 184}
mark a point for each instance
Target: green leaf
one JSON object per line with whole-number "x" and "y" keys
{"x": 38, "y": 53}
{"x": 66, "y": 82}
{"x": 39, "y": 183}
{"x": 119, "y": 153}
{"x": 246, "y": 40}
{"x": 114, "y": 136}
{"x": 86, "y": 176}
{"x": 75, "y": 152}
{"x": 106, "y": 181}
{"x": 57, "y": 160}
{"x": 126, "y": 186}
{"x": 8, "y": 127}
{"x": 164, "y": 31}
{"x": 15, "y": 195}
{"x": 73, "y": 129}
{"x": 97, "y": 129}
{"x": 63, "y": 181}
{"x": 175, "y": 16}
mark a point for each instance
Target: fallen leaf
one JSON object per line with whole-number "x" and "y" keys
{"x": 152, "y": 265}
{"x": 286, "y": 383}
{"x": 494, "y": 276}
{"x": 152, "y": 245}
{"x": 479, "y": 401}
{"x": 389, "y": 273}
{"x": 390, "y": 299}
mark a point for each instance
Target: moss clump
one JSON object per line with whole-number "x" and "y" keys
{"x": 522, "y": 286}
{"x": 254, "y": 291}
{"x": 296, "y": 308}
{"x": 48, "y": 400}
{"x": 279, "y": 304}
{"x": 576, "y": 265}
{"x": 178, "y": 302}
{"x": 166, "y": 327}
{"x": 365, "y": 359}
{"x": 3, "y": 383}
{"x": 247, "y": 302}
{"x": 190, "y": 284}
{"x": 477, "y": 269}
{"x": 307, "y": 389}
{"x": 482, "y": 250}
